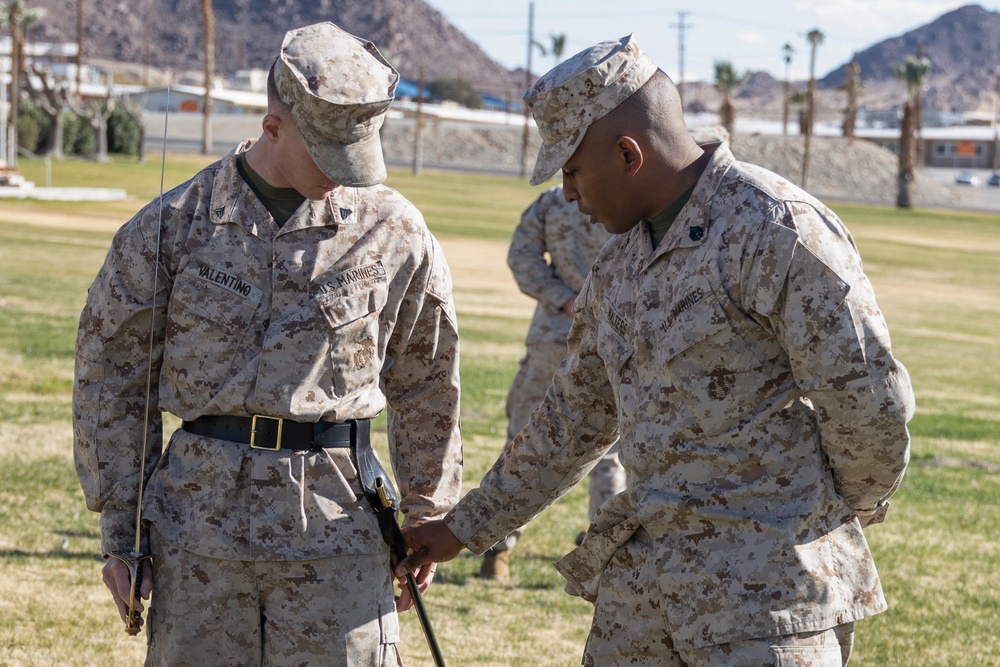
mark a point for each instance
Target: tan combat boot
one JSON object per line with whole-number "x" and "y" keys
{"x": 496, "y": 565}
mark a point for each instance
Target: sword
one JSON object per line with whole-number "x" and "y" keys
{"x": 388, "y": 520}
{"x": 134, "y": 559}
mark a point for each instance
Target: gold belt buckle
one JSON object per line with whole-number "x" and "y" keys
{"x": 253, "y": 432}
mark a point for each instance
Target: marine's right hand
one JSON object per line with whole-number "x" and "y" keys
{"x": 117, "y": 579}
{"x": 430, "y": 542}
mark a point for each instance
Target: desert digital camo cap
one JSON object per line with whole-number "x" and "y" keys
{"x": 578, "y": 91}
{"x": 339, "y": 87}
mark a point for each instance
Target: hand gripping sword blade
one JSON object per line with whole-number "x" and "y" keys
{"x": 134, "y": 559}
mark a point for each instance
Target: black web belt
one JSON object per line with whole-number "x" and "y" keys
{"x": 260, "y": 432}
{"x": 272, "y": 433}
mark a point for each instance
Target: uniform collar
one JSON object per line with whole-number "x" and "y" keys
{"x": 234, "y": 202}
{"x": 692, "y": 223}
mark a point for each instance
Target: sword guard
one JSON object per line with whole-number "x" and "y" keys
{"x": 133, "y": 561}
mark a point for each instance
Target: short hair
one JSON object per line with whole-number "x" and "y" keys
{"x": 273, "y": 96}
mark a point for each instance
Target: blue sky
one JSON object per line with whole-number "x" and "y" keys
{"x": 748, "y": 33}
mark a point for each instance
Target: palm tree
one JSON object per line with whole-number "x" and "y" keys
{"x": 913, "y": 72}
{"x": 18, "y": 15}
{"x": 726, "y": 80}
{"x": 787, "y": 52}
{"x": 799, "y": 99}
{"x": 209, "y": 20}
{"x": 815, "y": 38}
{"x": 49, "y": 97}
{"x": 558, "y": 45}
{"x": 852, "y": 86}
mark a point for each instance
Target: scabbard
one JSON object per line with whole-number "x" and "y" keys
{"x": 381, "y": 495}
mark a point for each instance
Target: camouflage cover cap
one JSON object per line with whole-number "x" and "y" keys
{"x": 339, "y": 87}
{"x": 578, "y": 91}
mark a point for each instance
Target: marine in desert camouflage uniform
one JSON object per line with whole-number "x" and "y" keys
{"x": 730, "y": 335}
{"x": 550, "y": 254}
{"x": 291, "y": 285}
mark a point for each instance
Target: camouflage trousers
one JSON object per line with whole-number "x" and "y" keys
{"x": 335, "y": 611}
{"x": 528, "y": 389}
{"x": 629, "y": 626}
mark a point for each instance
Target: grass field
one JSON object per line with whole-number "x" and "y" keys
{"x": 937, "y": 277}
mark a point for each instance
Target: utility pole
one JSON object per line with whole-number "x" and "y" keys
{"x": 527, "y": 85}
{"x": 681, "y": 26}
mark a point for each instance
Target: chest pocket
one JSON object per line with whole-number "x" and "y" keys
{"x": 208, "y": 317}
{"x": 355, "y": 350}
{"x": 711, "y": 366}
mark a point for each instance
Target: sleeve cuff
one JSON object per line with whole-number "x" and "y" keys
{"x": 873, "y": 516}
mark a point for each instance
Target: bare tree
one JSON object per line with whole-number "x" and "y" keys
{"x": 208, "y": 15}
{"x": 787, "y": 52}
{"x": 50, "y": 98}
{"x": 726, "y": 81}
{"x": 96, "y": 113}
{"x": 913, "y": 72}
{"x": 815, "y": 37}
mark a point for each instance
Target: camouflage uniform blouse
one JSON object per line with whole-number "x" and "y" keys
{"x": 761, "y": 412}
{"x": 554, "y": 226}
{"x": 344, "y": 309}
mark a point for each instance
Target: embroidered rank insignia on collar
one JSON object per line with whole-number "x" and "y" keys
{"x": 345, "y": 212}
{"x": 219, "y": 211}
{"x": 695, "y": 233}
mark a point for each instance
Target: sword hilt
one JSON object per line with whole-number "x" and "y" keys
{"x": 133, "y": 561}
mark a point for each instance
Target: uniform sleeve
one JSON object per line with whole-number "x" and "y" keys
{"x": 526, "y": 257}
{"x": 825, "y": 313}
{"x": 113, "y": 358}
{"x": 422, "y": 391}
{"x": 564, "y": 438}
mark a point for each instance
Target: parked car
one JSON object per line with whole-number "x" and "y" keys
{"x": 994, "y": 179}
{"x": 966, "y": 178}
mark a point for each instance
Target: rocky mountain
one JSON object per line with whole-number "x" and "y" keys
{"x": 168, "y": 35}
{"x": 964, "y": 49}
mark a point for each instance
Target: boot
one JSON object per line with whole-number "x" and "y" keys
{"x": 496, "y": 565}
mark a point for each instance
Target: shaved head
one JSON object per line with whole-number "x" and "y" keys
{"x": 644, "y": 154}
{"x": 654, "y": 113}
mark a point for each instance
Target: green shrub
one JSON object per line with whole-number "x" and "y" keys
{"x": 78, "y": 136}
{"x": 124, "y": 132}
{"x": 458, "y": 90}
{"x": 32, "y": 127}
